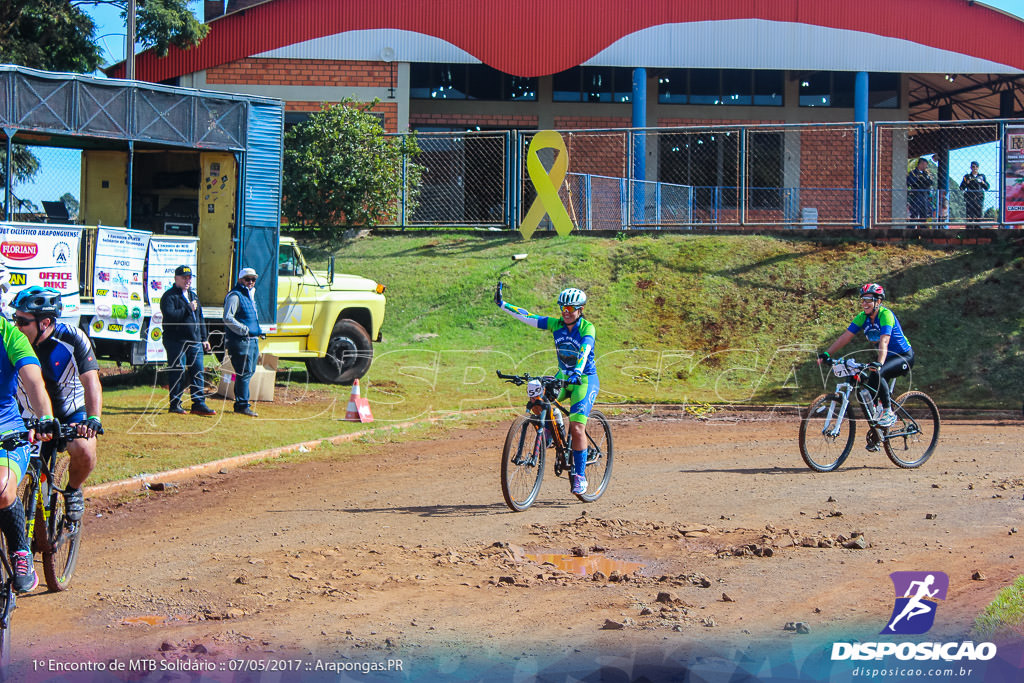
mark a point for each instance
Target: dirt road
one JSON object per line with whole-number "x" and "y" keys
{"x": 411, "y": 554}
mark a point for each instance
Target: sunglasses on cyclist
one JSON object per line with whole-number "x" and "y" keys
{"x": 23, "y": 322}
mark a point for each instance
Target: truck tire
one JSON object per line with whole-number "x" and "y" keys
{"x": 349, "y": 353}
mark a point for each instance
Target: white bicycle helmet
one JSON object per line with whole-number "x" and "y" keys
{"x": 572, "y": 297}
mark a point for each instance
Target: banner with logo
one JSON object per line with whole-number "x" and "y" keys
{"x": 46, "y": 256}
{"x": 165, "y": 254}
{"x": 118, "y": 284}
{"x": 1014, "y": 207}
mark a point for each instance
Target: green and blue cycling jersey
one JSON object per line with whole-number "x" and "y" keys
{"x": 15, "y": 353}
{"x": 885, "y": 322}
{"x": 574, "y": 347}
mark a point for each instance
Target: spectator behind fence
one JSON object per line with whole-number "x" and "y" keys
{"x": 974, "y": 186}
{"x": 919, "y": 192}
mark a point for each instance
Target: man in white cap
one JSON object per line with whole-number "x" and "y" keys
{"x": 242, "y": 325}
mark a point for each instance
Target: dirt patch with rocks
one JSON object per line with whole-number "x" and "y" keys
{"x": 712, "y": 534}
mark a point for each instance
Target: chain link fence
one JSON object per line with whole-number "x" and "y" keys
{"x": 937, "y": 174}
{"x": 46, "y": 183}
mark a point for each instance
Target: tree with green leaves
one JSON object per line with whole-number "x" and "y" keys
{"x": 342, "y": 170}
{"x": 58, "y": 35}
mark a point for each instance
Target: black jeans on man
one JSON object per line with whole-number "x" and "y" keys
{"x": 185, "y": 361}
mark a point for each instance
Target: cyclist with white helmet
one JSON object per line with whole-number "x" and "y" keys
{"x": 574, "y": 345}
{"x": 18, "y": 364}
{"x": 72, "y": 378}
{"x": 895, "y": 355}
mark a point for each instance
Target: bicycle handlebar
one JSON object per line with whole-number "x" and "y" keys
{"x": 519, "y": 380}
{"x": 65, "y": 433}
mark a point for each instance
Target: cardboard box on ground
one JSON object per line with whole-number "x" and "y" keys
{"x": 261, "y": 386}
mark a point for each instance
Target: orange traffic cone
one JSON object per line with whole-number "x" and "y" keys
{"x": 358, "y": 408}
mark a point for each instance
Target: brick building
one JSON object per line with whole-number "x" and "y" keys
{"x": 447, "y": 65}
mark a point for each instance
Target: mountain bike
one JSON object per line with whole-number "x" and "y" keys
{"x": 544, "y": 426}
{"x": 41, "y": 491}
{"x": 827, "y": 430}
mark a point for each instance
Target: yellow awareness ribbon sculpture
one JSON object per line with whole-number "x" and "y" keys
{"x": 547, "y": 183}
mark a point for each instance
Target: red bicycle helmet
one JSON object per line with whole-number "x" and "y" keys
{"x": 872, "y": 290}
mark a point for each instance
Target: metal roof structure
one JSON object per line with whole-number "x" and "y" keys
{"x": 928, "y": 39}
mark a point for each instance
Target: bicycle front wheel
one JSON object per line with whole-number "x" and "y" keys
{"x": 61, "y": 554}
{"x": 822, "y": 446}
{"x": 911, "y": 441}
{"x": 599, "y": 456}
{"x": 522, "y": 463}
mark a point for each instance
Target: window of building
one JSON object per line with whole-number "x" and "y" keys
{"x": 836, "y": 89}
{"x": 736, "y": 87}
{"x": 468, "y": 82}
{"x": 593, "y": 84}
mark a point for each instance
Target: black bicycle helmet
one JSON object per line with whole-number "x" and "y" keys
{"x": 42, "y": 302}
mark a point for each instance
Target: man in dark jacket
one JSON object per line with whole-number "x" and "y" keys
{"x": 242, "y": 329}
{"x": 185, "y": 341}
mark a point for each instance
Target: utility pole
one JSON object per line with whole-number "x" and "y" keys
{"x": 129, "y": 47}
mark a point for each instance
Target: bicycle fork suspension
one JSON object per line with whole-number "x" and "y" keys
{"x": 832, "y": 428}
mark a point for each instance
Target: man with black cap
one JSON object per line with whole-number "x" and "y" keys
{"x": 242, "y": 325}
{"x": 185, "y": 341}
{"x": 974, "y": 186}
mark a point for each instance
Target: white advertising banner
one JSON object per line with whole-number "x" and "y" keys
{"x": 44, "y": 255}
{"x": 118, "y": 283}
{"x": 165, "y": 254}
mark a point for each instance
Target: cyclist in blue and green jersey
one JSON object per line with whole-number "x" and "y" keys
{"x": 574, "y": 345}
{"x": 18, "y": 362}
{"x": 895, "y": 355}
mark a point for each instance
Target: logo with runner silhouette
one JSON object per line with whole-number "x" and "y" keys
{"x": 917, "y": 596}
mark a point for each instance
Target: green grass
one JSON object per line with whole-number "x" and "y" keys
{"x": 1004, "y": 616}
{"x": 688, "y": 319}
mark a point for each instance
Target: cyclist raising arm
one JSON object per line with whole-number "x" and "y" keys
{"x": 71, "y": 375}
{"x": 895, "y": 355}
{"x": 574, "y": 346}
{"x": 18, "y": 364}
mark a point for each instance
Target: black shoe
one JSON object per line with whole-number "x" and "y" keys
{"x": 74, "y": 505}
{"x": 246, "y": 410}
{"x": 176, "y": 409}
{"x": 203, "y": 410}
{"x": 25, "y": 577}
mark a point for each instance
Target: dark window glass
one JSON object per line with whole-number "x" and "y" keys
{"x": 623, "y": 85}
{"x": 768, "y": 88}
{"x": 816, "y": 90}
{"x": 842, "y": 88}
{"x": 704, "y": 86}
{"x": 483, "y": 82}
{"x": 565, "y": 86}
{"x": 520, "y": 89}
{"x": 451, "y": 82}
{"x": 737, "y": 86}
{"x": 421, "y": 80}
{"x": 672, "y": 86}
{"x": 597, "y": 84}
{"x": 884, "y": 90}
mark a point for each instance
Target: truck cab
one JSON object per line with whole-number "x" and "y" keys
{"x": 331, "y": 320}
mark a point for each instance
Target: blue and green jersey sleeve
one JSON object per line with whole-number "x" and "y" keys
{"x": 15, "y": 353}
{"x": 884, "y": 323}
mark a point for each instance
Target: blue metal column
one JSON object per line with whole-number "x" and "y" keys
{"x": 860, "y": 114}
{"x": 639, "y": 142}
{"x": 8, "y": 168}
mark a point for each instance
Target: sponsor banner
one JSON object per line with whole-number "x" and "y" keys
{"x": 1013, "y": 209}
{"x": 119, "y": 284}
{"x": 165, "y": 254}
{"x": 43, "y": 256}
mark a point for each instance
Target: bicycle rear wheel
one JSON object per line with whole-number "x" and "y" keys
{"x": 61, "y": 552}
{"x": 911, "y": 441}
{"x": 522, "y": 463}
{"x": 599, "y": 456}
{"x": 824, "y": 452}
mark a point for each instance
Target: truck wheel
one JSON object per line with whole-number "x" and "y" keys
{"x": 349, "y": 354}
